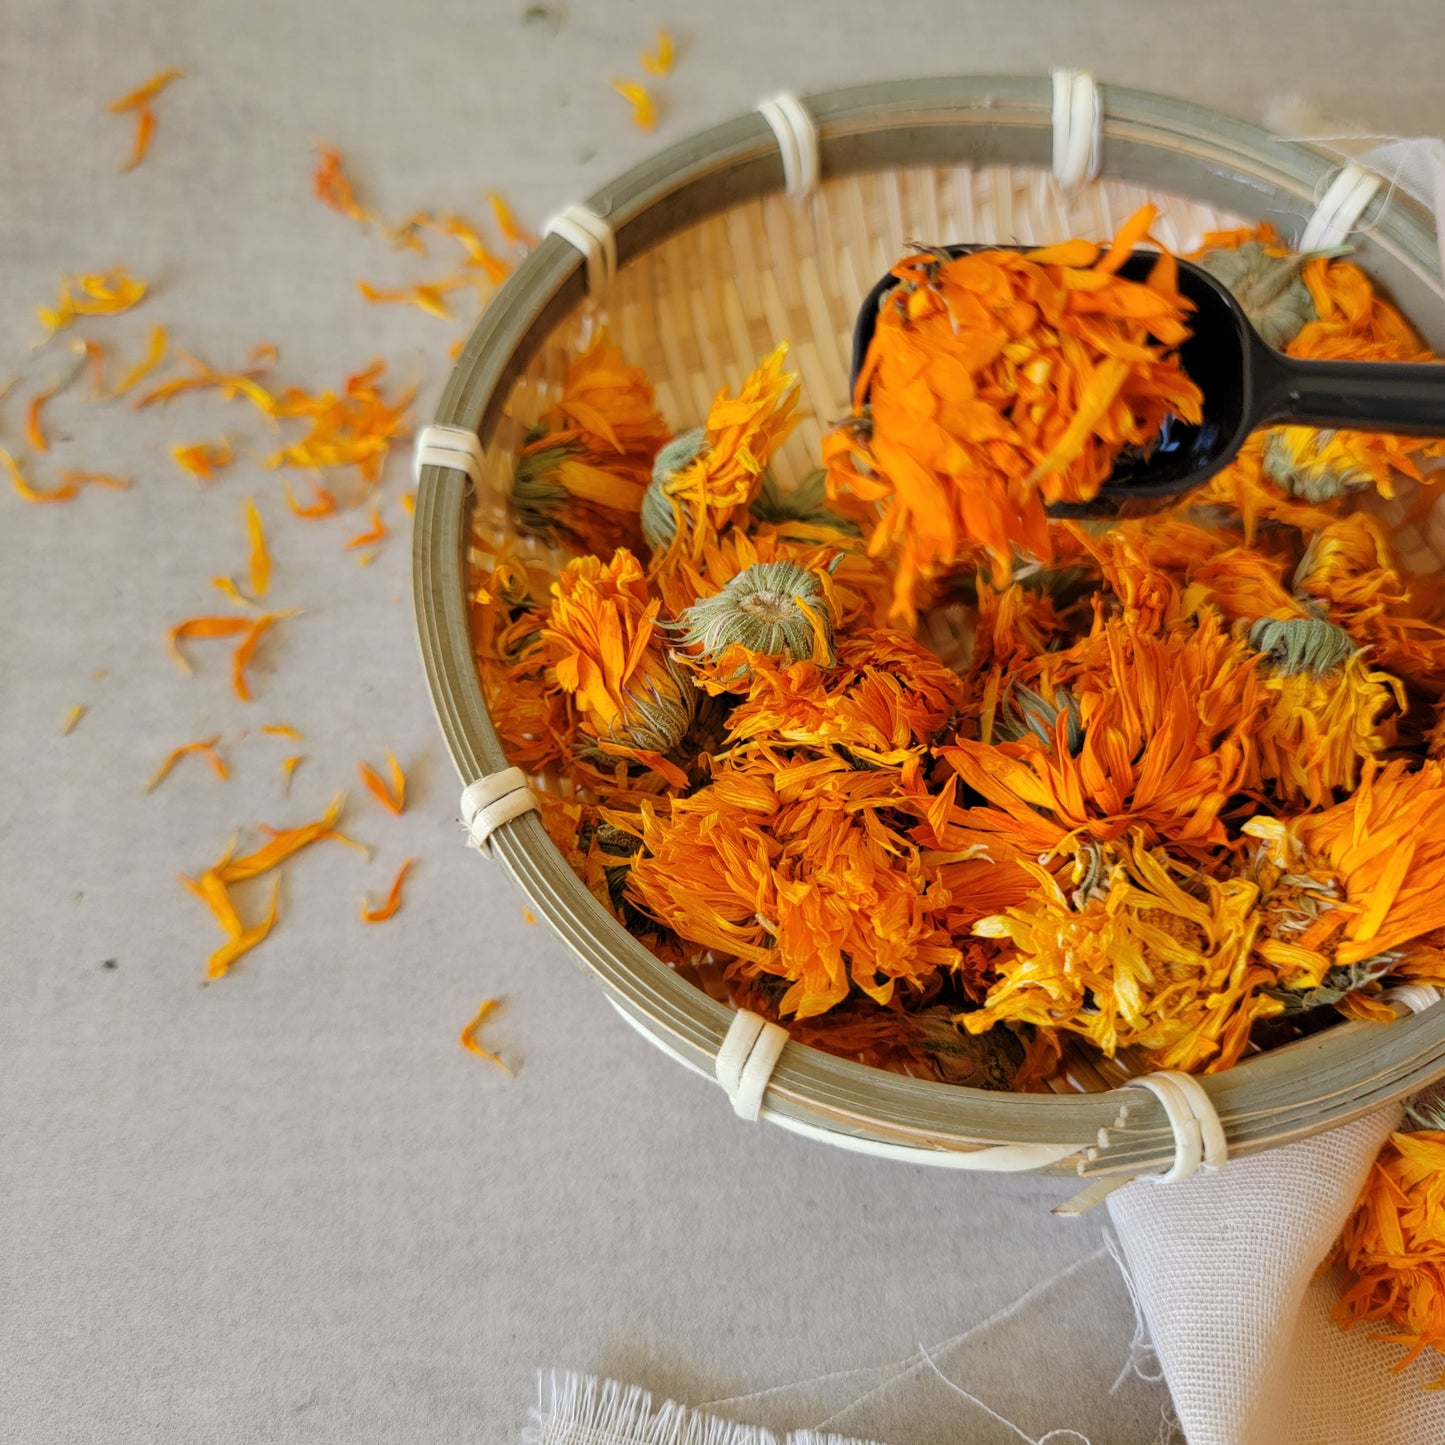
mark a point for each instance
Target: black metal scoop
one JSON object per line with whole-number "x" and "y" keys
{"x": 1246, "y": 383}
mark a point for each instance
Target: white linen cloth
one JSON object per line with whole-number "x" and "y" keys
{"x": 1227, "y": 1274}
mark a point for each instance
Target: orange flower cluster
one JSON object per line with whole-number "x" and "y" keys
{"x": 1394, "y": 1245}
{"x": 1155, "y": 791}
{"x": 998, "y": 382}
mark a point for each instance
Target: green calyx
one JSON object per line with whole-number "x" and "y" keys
{"x": 657, "y": 718}
{"x": 659, "y": 519}
{"x": 759, "y": 610}
{"x": 1269, "y": 288}
{"x": 806, "y": 503}
{"x": 1024, "y": 711}
{"x": 618, "y": 848}
{"x": 1302, "y": 644}
{"x": 536, "y": 498}
{"x": 1337, "y": 982}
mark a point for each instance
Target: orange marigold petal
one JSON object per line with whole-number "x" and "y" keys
{"x": 133, "y": 99}
{"x": 660, "y": 61}
{"x": 644, "y": 111}
{"x": 469, "y": 1034}
{"x": 221, "y": 961}
{"x": 393, "y": 898}
{"x": 260, "y": 564}
{"x": 155, "y": 354}
{"x": 196, "y": 627}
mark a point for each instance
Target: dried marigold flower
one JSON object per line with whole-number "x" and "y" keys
{"x": 707, "y": 478}
{"x": 1167, "y": 741}
{"x": 608, "y": 651}
{"x": 1264, "y": 277}
{"x": 772, "y": 609}
{"x": 886, "y": 700}
{"x": 1143, "y": 953}
{"x": 794, "y": 888}
{"x": 998, "y": 382}
{"x": 580, "y": 478}
{"x": 1394, "y": 1243}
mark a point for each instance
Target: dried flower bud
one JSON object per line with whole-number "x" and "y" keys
{"x": 607, "y": 650}
{"x": 775, "y": 609}
{"x": 1267, "y": 286}
{"x": 617, "y": 848}
{"x": 659, "y": 517}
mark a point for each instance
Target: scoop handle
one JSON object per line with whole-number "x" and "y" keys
{"x": 1388, "y": 396}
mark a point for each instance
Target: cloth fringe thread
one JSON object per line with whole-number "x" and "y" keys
{"x": 576, "y": 1409}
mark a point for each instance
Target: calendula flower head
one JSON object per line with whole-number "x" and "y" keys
{"x": 1327, "y": 710}
{"x": 771, "y": 609}
{"x": 1394, "y": 1244}
{"x": 1354, "y": 323}
{"x": 1349, "y": 571}
{"x": 998, "y": 382}
{"x": 659, "y": 514}
{"x": 1349, "y": 565}
{"x": 1015, "y": 624}
{"x": 1264, "y": 277}
{"x": 1383, "y": 847}
{"x": 581, "y": 477}
{"x": 608, "y": 652}
{"x": 702, "y": 482}
{"x": 1148, "y": 597}
{"x": 1244, "y": 585}
{"x": 1321, "y": 466}
{"x": 1142, "y": 953}
{"x": 885, "y": 701}
{"x": 854, "y": 585}
{"x": 1303, "y": 910}
{"x": 1167, "y": 726}
{"x": 798, "y": 888}
{"x": 1243, "y": 490}
{"x": 533, "y": 716}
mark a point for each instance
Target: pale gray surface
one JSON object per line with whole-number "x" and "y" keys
{"x": 288, "y": 1206}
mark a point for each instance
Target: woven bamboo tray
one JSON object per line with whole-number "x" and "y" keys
{"x": 716, "y": 265}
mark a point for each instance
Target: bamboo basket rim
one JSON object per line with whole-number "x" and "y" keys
{"x": 1322, "y": 1081}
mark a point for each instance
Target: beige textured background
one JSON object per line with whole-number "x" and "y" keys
{"x": 287, "y": 1207}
